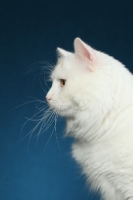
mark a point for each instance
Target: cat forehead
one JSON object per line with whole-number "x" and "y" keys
{"x": 61, "y": 69}
{"x": 67, "y": 67}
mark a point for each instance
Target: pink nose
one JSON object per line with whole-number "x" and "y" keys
{"x": 48, "y": 99}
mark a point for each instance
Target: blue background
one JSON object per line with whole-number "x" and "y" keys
{"x": 30, "y": 31}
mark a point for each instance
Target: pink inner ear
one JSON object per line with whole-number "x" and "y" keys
{"x": 82, "y": 50}
{"x": 86, "y": 54}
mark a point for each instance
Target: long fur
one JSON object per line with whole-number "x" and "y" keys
{"x": 97, "y": 101}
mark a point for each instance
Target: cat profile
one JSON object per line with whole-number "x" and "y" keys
{"x": 94, "y": 92}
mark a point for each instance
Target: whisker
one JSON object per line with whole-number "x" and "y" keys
{"x": 42, "y": 87}
{"x": 43, "y": 126}
{"x": 44, "y": 122}
{"x": 43, "y": 65}
{"x": 22, "y": 105}
{"x": 43, "y": 117}
{"x": 56, "y": 118}
{"x": 48, "y": 140}
{"x": 32, "y": 119}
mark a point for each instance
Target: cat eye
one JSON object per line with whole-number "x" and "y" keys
{"x": 62, "y": 82}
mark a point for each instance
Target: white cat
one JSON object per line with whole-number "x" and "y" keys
{"x": 94, "y": 92}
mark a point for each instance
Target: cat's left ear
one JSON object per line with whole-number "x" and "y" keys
{"x": 84, "y": 52}
{"x": 62, "y": 52}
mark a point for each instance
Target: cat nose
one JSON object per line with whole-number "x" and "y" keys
{"x": 48, "y": 99}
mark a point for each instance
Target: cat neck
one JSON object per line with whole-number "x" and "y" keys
{"x": 86, "y": 127}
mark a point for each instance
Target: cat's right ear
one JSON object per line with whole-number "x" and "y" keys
{"x": 85, "y": 52}
{"x": 62, "y": 52}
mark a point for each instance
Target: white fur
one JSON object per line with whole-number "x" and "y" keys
{"x": 97, "y": 101}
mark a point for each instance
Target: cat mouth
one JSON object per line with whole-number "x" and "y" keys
{"x": 61, "y": 110}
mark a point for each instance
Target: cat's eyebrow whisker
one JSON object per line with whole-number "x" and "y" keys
{"x": 38, "y": 76}
{"x": 42, "y": 87}
{"x": 39, "y": 65}
{"x": 46, "y": 83}
{"x": 49, "y": 65}
{"x": 46, "y": 70}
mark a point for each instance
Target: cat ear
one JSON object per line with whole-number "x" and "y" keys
{"x": 62, "y": 52}
{"x": 84, "y": 52}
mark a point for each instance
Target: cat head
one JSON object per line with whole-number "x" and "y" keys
{"x": 75, "y": 79}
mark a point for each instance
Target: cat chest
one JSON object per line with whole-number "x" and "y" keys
{"x": 98, "y": 164}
